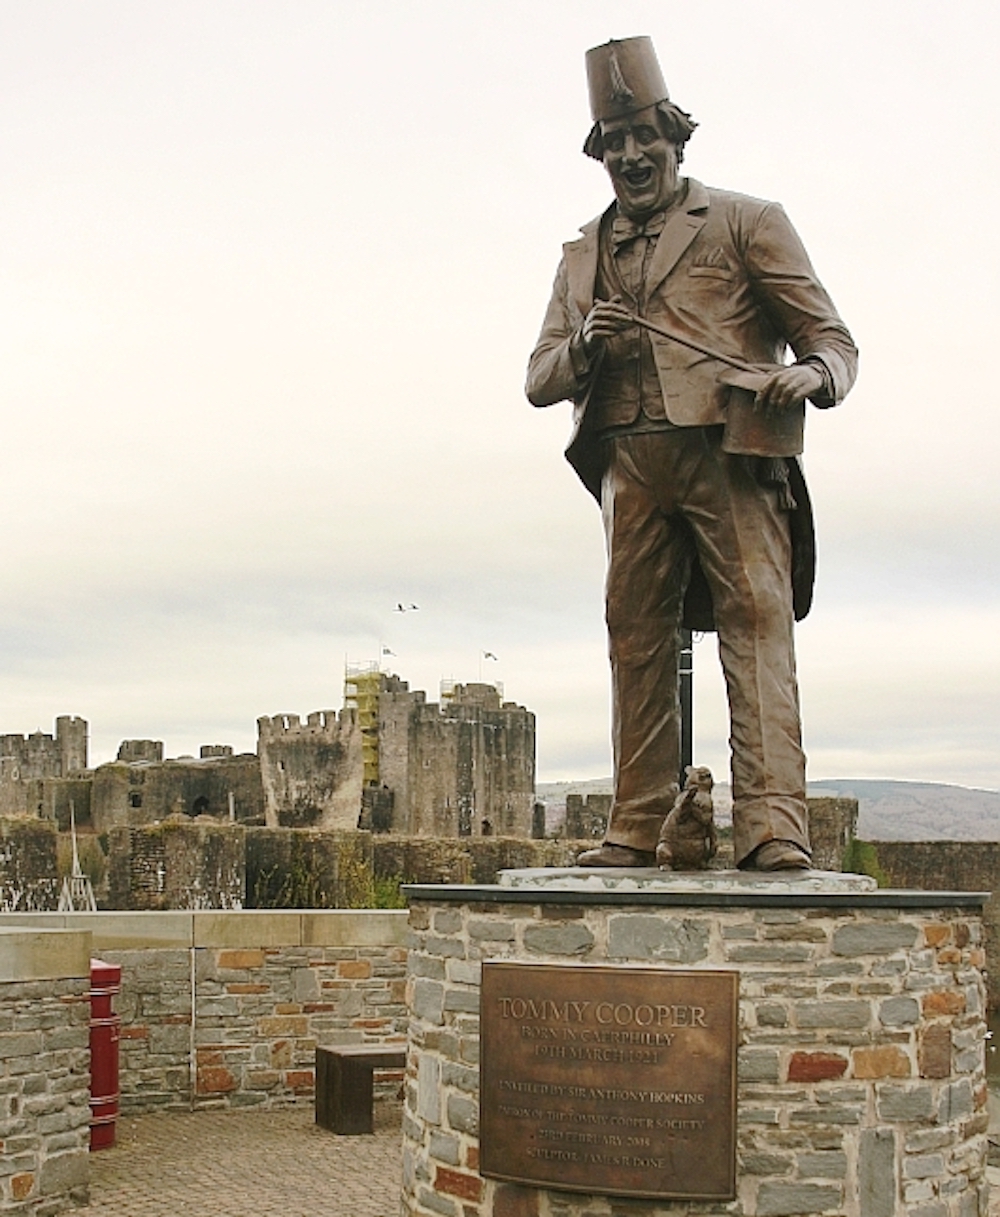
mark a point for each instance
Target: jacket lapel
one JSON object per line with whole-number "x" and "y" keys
{"x": 581, "y": 266}
{"x": 679, "y": 231}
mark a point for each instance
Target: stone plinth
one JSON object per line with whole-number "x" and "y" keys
{"x": 861, "y": 1083}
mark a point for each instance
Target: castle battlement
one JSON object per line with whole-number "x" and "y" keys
{"x": 23, "y": 745}
{"x": 39, "y": 757}
{"x": 452, "y": 712}
{"x": 318, "y": 722}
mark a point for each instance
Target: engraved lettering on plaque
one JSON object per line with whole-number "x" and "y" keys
{"x": 616, "y": 1081}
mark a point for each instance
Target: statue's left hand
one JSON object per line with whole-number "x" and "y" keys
{"x": 789, "y": 387}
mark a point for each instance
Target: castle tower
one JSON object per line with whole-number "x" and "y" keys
{"x": 71, "y": 738}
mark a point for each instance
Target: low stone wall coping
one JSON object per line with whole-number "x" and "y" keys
{"x": 248, "y": 928}
{"x": 43, "y": 954}
{"x": 119, "y": 931}
{"x": 355, "y": 928}
{"x": 116, "y": 931}
{"x": 779, "y": 897}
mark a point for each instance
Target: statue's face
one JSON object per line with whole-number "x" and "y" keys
{"x": 640, "y": 161}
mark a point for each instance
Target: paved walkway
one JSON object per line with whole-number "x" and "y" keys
{"x": 270, "y": 1164}
{"x": 231, "y": 1163}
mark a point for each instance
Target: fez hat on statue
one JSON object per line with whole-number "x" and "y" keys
{"x": 622, "y": 77}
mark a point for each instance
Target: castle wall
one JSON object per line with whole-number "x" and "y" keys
{"x": 508, "y": 774}
{"x": 142, "y": 793}
{"x": 34, "y": 756}
{"x": 466, "y": 768}
{"x": 18, "y": 797}
{"x": 71, "y": 738}
{"x": 832, "y": 825}
{"x": 587, "y": 818}
{"x": 177, "y": 865}
{"x": 28, "y": 879}
{"x": 131, "y": 750}
{"x": 311, "y": 772}
{"x": 60, "y": 795}
{"x": 28, "y": 760}
{"x": 464, "y": 860}
{"x": 439, "y": 800}
{"x": 397, "y": 709}
{"x": 197, "y": 865}
{"x": 306, "y": 868}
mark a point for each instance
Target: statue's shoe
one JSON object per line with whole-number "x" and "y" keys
{"x": 777, "y": 855}
{"x": 609, "y": 854}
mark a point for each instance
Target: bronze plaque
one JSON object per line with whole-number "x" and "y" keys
{"x": 614, "y": 1081}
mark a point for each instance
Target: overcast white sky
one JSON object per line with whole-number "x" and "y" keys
{"x": 269, "y": 276}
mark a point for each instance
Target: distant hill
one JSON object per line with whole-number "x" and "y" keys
{"x": 887, "y": 810}
{"x": 918, "y": 811}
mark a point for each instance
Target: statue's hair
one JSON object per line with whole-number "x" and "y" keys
{"x": 676, "y": 124}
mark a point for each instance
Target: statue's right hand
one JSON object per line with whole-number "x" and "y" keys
{"x": 606, "y": 318}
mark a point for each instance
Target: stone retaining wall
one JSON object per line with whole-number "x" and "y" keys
{"x": 464, "y": 859}
{"x": 44, "y": 1071}
{"x": 27, "y": 865}
{"x": 265, "y": 989}
{"x": 861, "y": 1085}
{"x": 177, "y": 865}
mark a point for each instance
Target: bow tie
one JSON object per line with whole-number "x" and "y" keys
{"x": 623, "y": 229}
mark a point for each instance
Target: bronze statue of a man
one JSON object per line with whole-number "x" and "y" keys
{"x": 668, "y": 329}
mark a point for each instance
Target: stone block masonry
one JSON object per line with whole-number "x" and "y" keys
{"x": 861, "y": 1084}
{"x": 965, "y": 866}
{"x": 44, "y": 1071}
{"x": 259, "y": 1014}
{"x": 226, "y": 1009}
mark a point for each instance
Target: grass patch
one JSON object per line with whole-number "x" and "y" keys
{"x": 861, "y": 858}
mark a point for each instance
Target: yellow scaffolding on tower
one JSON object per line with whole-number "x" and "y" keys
{"x": 362, "y": 685}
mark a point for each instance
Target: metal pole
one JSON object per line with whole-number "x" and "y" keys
{"x": 686, "y": 691}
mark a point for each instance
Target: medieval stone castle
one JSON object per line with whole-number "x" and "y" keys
{"x": 389, "y": 761}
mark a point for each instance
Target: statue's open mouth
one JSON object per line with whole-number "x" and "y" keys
{"x": 638, "y": 177}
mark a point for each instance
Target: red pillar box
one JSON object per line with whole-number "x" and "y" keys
{"x": 105, "y": 982}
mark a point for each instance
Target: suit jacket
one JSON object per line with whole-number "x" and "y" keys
{"x": 731, "y": 273}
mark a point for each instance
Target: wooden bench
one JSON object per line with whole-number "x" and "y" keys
{"x": 345, "y": 1083}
